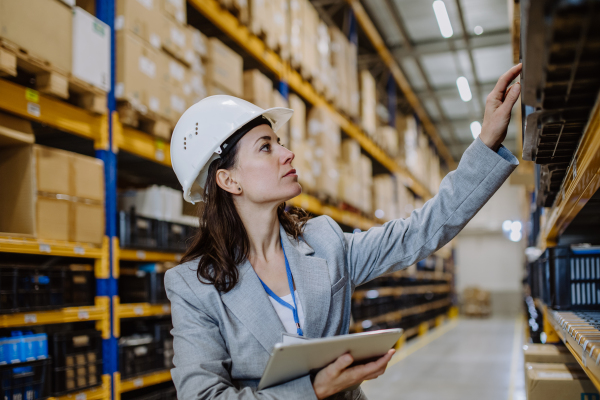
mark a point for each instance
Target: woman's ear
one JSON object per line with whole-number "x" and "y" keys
{"x": 226, "y": 182}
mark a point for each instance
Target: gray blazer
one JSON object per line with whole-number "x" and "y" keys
{"x": 222, "y": 341}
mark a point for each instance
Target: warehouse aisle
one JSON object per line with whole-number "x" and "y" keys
{"x": 472, "y": 361}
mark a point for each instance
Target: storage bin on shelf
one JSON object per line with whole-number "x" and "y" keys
{"x": 77, "y": 361}
{"x": 147, "y": 350}
{"x": 143, "y": 284}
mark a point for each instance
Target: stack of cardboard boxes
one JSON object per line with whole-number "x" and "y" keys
{"x": 551, "y": 372}
{"x": 368, "y": 103}
{"x": 350, "y": 174}
{"x": 384, "y": 197}
{"x": 48, "y": 193}
{"x": 68, "y": 51}
{"x": 160, "y": 61}
{"x": 324, "y": 138}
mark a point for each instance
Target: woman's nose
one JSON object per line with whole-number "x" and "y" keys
{"x": 287, "y": 156}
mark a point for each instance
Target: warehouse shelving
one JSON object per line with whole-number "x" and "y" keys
{"x": 150, "y": 256}
{"x": 135, "y": 310}
{"x": 581, "y": 182}
{"x": 371, "y": 32}
{"x": 31, "y": 104}
{"x": 154, "y": 378}
{"x": 400, "y": 291}
{"x": 101, "y": 392}
{"x": 142, "y": 144}
{"x": 229, "y": 25}
{"x": 395, "y": 316}
{"x": 554, "y": 333}
{"x": 12, "y": 244}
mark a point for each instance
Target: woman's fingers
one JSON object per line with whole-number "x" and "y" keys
{"x": 500, "y": 88}
{"x": 511, "y": 98}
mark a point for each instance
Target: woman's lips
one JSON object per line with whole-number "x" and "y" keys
{"x": 292, "y": 172}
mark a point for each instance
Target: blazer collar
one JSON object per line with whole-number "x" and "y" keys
{"x": 249, "y": 302}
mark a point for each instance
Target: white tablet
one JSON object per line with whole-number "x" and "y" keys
{"x": 292, "y": 361}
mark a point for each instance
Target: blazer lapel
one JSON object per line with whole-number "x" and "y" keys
{"x": 249, "y": 302}
{"x": 311, "y": 278}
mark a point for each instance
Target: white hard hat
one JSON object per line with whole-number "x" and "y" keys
{"x": 202, "y": 129}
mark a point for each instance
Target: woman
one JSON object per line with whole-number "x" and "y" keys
{"x": 231, "y": 298}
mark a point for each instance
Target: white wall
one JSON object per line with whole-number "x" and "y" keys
{"x": 484, "y": 256}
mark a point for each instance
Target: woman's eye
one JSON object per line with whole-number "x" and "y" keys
{"x": 266, "y": 146}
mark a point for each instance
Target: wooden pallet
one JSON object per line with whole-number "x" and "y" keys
{"x": 49, "y": 79}
{"x": 144, "y": 120}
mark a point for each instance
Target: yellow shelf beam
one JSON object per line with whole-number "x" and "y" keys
{"x": 142, "y": 144}
{"x": 97, "y": 312}
{"x": 423, "y": 275}
{"x": 371, "y": 32}
{"x": 135, "y": 310}
{"x": 101, "y": 392}
{"x": 313, "y": 205}
{"x": 11, "y": 244}
{"x": 58, "y": 114}
{"x": 150, "y": 256}
{"x": 580, "y": 183}
{"x": 400, "y": 291}
{"x": 230, "y": 25}
{"x": 139, "y": 382}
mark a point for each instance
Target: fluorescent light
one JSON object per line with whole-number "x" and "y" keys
{"x": 439, "y": 8}
{"x": 515, "y": 236}
{"x": 516, "y": 226}
{"x": 475, "y": 129}
{"x": 478, "y": 30}
{"x": 463, "y": 88}
{"x": 506, "y": 225}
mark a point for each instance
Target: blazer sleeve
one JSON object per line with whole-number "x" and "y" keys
{"x": 202, "y": 362}
{"x": 402, "y": 242}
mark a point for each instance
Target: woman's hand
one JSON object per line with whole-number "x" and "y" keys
{"x": 498, "y": 106}
{"x": 337, "y": 376}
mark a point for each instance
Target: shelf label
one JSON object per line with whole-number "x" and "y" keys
{"x": 138, "y": 310}
{"x": 45, "y": 248}
{"x": 139, "y": 382}
{"x": 83, "y": 314}
{"x": 32, "y": 95}
{"x": 30, "y": 318}
{"x": 141, "y": 255}
{"x": 81, "y": 396}
{"x": 79, "y": 250}
{"x": 159, "y": 155}
{"x": 166, "y": 308}
{"x": 33, "y": 109}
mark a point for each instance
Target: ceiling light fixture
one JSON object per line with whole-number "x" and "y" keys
{"x": 478, "y": 30}
{"x": 463, "y": 89}
{"x": 475, "y": 129}
{"x": 439, "y": 8}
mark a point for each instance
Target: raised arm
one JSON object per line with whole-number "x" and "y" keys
{"x": 483, "y": 168}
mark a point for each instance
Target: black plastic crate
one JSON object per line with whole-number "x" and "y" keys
{"x": 77, "y": 361}
{"x": 80, "y": 285}
{"x": 142, "y": 285}
{"x": 569, "y": 279}
{"x": 140, "y": 232}
{"x": 25, "y": 381}
{"x": 140, "y": 354}
{"x": 27, "y": 288}
{"x": 176, "y": 235}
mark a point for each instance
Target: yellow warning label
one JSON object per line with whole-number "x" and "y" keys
{"x": 32, "y": 95}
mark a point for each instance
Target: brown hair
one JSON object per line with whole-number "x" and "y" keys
{"x": 221, "y": 241}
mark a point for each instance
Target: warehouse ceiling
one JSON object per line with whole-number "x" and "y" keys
{"x": 432, "y": 63}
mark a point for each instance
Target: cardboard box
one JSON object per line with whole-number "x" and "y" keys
{"x": 176, "y": 40}
{"x": 86, "y": 223}
{"x": 176, "y": 9}
{"x": 350, "y": 151}
{"x": 352, "y": 74}
{"x": 53, "y": 170}
{"x": 339, "y": 77}
{"x": 140, "y": 17}
{"x": 214, "y": 90}
{"x": 303, "y": 162}
{"x": 277, "y": 100}
{"x": 224, "y": 68}
{"x": 383, "y": 197}
{"x": 368, "y": 102}
{"x": 258, "y": 88}
{"x": 547, "y": 353}
{"x": 199, "y": 44}
{"x": 91, "y": 49}
{"x": 87, "y": 177}
{"x": 53, "y": 218}
{"x": 309, "y": 41}
{"x": 17, "y": 177}
{"x": 41, "y": 27}
{"x": 324, "y": 136}
{"x": 366, "y": 168}
{"x": 137, "y": 73}
{"x": 297, "y": 122}
{"x": 558, "y": 381}
{"x": 388, "y": 136}
{"x": 296, "y": 28}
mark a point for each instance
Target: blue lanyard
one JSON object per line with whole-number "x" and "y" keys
{"x": 294, "y": 308}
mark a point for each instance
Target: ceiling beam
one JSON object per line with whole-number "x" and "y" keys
{"x": 486, "y": 39}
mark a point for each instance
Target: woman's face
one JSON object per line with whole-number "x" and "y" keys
{"x": 264, "y": 168}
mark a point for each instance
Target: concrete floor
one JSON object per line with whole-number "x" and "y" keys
{"x": 474, "y": 359}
